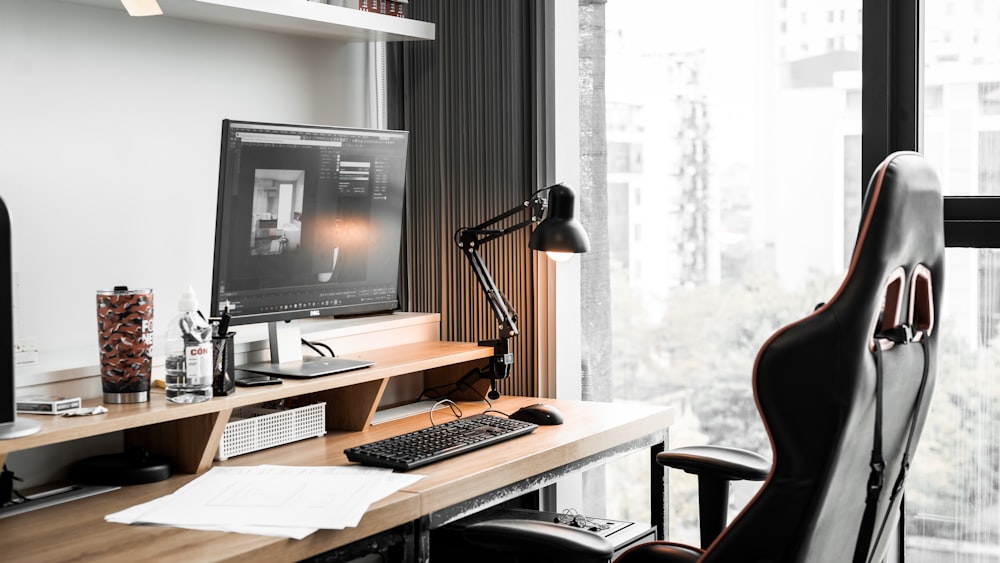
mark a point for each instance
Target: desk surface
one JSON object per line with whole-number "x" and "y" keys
{"x": 77, "y": 530}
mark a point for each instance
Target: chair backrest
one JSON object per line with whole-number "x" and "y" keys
{"x": 815, "y": 383}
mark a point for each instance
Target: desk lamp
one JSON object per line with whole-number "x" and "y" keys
{"x": 558, "y": 234}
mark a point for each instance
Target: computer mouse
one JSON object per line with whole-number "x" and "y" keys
{"x": 541, "y": 414}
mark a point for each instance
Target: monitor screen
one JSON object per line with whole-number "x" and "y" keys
{"x": 309, "y": 221}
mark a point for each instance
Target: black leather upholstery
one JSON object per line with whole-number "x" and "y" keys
{"x": 662, "y": 551}
{"x": 815, "y": 386}
{"x": 540, "y": 541}
{"x": 718, "y": 461}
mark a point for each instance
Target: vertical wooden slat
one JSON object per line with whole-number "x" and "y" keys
{"x": 468, "y": 102}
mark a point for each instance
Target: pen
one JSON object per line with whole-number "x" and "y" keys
{"x": 224, "y": 323}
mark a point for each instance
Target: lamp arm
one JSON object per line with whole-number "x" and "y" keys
{"x": 502, "y": 308}
{"x": 535, "y": 204}
{"x": 469, "y": 240}
{"x": 502, "y": 359}
{"x": 484, "y": 235}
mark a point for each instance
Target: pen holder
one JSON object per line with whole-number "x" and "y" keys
{"x": 223, "y": 376}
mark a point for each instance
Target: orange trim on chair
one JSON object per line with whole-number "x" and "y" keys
{"x": 921, "y": 316}
{"x": 892, "y": 309}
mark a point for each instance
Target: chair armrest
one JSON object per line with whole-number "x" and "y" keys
{"x": 731, "y": 464}
{"x": 545, "y": 540}
{"x": 716, "y": 467}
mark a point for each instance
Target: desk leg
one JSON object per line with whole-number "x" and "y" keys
{"x": 421, "y": 541}
{"x": 658, "y": 492}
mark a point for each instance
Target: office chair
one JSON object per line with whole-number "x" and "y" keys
{"x": 843, "y": 394}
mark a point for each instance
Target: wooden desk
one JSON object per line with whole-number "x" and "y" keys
{"x": 593, "y": 433}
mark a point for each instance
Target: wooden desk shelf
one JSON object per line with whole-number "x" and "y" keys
{"x": 189, "y": 434}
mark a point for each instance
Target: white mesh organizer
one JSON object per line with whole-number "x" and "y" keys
{"x": 254, "y": 428}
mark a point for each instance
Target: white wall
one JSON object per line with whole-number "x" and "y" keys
{"x": 110, "y": 129}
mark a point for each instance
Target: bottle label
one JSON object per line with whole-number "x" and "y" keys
{"x": 198, "y": 362}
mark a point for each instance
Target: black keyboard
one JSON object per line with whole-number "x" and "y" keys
{"x": 418, "y": 448}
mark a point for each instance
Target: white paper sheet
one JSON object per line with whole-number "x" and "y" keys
{"x": 270, "y": 499}
{"x": 133, "y": 516}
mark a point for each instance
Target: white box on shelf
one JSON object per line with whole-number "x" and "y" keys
{"x": 253, "y": 428}
{"x": 47, "y": 404}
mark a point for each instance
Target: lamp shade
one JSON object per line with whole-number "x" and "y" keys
{"x": 559, "y": 231}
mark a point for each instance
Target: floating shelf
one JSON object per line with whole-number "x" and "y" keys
{"x": 293, "y": 17}
{"x": 190, "y": 434}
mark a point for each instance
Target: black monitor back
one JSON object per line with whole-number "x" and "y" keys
{"x": 7, "y": 412}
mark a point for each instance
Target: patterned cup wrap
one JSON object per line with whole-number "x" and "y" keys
{"x": 125, "y": 338}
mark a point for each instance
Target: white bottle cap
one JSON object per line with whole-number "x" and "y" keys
{"x": 188, "y": 301}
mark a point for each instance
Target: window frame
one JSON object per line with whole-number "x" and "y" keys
{"x": 892, "y": 104}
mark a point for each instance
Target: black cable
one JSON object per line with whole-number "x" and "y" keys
{"x": 489, "y": 404}
{"x": 328, "y": 349}
{"x": 7, "y": 490}
{"x": 455, "y": 409}
{"x": 463, "y": 383}
{"x": 452, "y": 388}
{"x": 316, "y": 345}
{"x": 6, "y": 486}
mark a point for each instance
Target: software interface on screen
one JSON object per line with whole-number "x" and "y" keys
{"x": 309, "y": 221}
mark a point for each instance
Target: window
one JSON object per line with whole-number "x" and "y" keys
{"x": 730, "y": 126}
{"x": 624, "y": 157}
{"x": 734, "y": 113}
{"x": 953, "y": 494}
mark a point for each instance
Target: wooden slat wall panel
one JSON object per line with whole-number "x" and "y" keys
{"x": 467, "y": 100}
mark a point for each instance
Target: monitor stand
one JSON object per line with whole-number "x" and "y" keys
{"x": 285, "y": 339}
{"x": 20, "y": 428}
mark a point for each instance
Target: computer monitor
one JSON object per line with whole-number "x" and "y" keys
{"x": 308, "y": 224}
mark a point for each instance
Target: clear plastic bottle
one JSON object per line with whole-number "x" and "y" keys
{"x": 189, "y": 353}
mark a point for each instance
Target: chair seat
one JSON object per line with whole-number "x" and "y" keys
{"x": 545, "y": 541}
{"x": 660, "y": 552}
